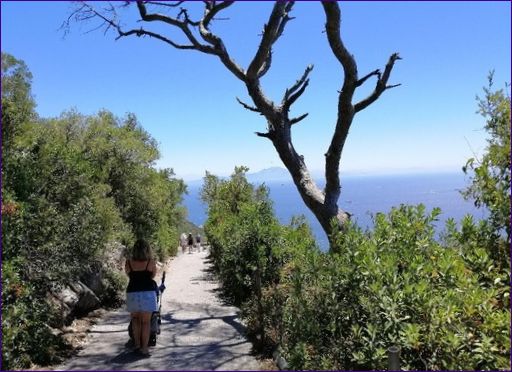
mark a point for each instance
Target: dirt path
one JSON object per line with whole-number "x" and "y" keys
{"x": 199, "y": 332}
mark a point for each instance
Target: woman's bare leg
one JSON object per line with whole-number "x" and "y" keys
{"x": 146, "y": 327}
{"x": 136, "y": 327}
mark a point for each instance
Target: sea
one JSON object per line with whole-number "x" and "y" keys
{"x": 363, "y": 196}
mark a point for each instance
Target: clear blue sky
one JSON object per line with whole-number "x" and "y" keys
{"x": 186, "y": 100}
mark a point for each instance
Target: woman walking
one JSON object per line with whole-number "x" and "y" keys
{"x": 190, "y": 242}
{"x": 140, "y": 293}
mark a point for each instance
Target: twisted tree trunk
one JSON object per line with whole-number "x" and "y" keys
{"x": 323, "y": 203}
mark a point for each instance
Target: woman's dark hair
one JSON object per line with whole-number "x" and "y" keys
{"x": 141, "y": 250}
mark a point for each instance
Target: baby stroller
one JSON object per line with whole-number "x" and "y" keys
{"x": 156, "y": 319}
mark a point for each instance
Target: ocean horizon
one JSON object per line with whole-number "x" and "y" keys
{"x": 363, "y": 197}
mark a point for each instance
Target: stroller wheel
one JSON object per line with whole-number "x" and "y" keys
{"x": 130, "y": 330}
{"x": 152, "y": 340}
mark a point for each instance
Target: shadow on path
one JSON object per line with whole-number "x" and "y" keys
{"x": 199, "y": 331}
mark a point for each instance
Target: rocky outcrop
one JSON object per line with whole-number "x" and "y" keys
{"x": 73, "y": 301}
{"x": 79, "y": 298}
{"x": 87, "y": 300}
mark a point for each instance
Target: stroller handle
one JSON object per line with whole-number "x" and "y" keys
{"x": 161, "y": 288}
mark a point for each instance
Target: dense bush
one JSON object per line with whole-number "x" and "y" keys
{"x": 26, "y": 336}
{"x": 491, "y": 173}
{"x": 395, "y": 285}
{"x": 71, "y": 186}
{"x": 446, "y": 304}
{"x": 243, "y": 234}
{"x": 249, "y": 247}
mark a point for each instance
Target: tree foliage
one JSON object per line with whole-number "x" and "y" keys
{"x": 17, "y": 102}
{"x": 71, "y": 187}
{"x": 242, "y": 232}
{"x": 490, "y": 184}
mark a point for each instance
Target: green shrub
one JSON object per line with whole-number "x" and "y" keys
{"x": 26, "y": 337}
{"x": 114, "y": 284}
{"x": 243, "y": 233}
{"x": 491, "y": 173}
{"x": 444, "y": 303}
{"x": 394, "y": 285}
{"x": 263, "y": 313}
{"x": 71, "y": 186}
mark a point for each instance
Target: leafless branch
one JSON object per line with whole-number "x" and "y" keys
{"x": 182, "y": 25}
{"x": 142, "y": 32}
{"x": 170, "y": 5}
{"x": 297, "y": 119}
{"x": 248, "y": 107}
{"x": 345, "y": 108}
{"x": 271, "y": 32}
{"x": 284, "y": 20}
{"x": 212, "y": 12}
{"x": 332, "y": 27}
{"x": 299, "y": 86}
{"x": 100, "y": 26}
{"x": 266, "y": 65}
{"x": 86, "y": 12}
{"x": 183, "y": 12}
{"x": 266, "y": 135}
{"x": 373, "y": 73}
{"x": 80, "y": 14}
{"x": 381, "y": 85}
{"x": 392, "y": 86}
{"x": 293, "y": 97}
{"x": 217, "y": 47}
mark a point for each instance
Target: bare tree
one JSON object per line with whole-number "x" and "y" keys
{"x": 198, "y": 36}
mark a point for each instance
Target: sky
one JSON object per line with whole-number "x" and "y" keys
{"x": 187, "y": 100}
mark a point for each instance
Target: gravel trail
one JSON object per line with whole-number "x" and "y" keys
{"x": 198, "y": 332}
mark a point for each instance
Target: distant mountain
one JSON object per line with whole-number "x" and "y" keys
{"x": 273, "y": 174}
{"x": 188, "y": 226}
{"x": 270, "y": 175}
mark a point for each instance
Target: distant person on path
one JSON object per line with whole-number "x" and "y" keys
{"x": 140, "y": 293}
{"x": 183, "y": 242}
{"x": 190, "y": 242}
{"x": 198, "y": 242}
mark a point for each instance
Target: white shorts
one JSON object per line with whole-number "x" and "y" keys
{"x": 141, "y": 301}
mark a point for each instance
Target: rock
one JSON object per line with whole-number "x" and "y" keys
{"x": 81, "y": 297}
{"x": 112, "y": 260}
{"x": 281, "y": 363}
{"x": 69, "y": 297}
{"x": 55, "y": 331}
{"x": 87, "y": 300}
{"x": 74, "y": 300}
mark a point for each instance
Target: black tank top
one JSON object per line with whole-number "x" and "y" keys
{"x": 140, "y": 280}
